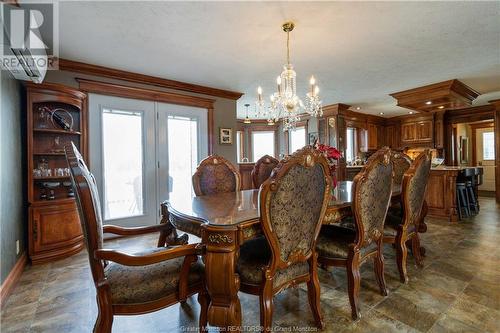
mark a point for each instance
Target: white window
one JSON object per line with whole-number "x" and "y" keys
{"x": 262, "y": 144}
{"x": 488, "y": 146}
{"x": 297, "y": 138}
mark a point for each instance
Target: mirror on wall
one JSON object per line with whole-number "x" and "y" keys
{"x": 464, "y": 149}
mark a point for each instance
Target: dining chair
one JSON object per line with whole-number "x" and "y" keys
{"x": 344, "y": 247}
{"x": 400, "y": 162}
{"x": 214, "y": 175}
{"x": 128, "y": 284}
{"x": 292, "y": 204}
{"x": 398, "y": 230}
{"x": 262, "y": 169}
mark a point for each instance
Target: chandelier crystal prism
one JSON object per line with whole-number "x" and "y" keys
{"x": 284, "y": 103}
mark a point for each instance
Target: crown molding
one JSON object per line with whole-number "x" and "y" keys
{"x": 84, "y": 68}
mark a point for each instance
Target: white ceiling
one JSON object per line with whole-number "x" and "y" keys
{"x": 358, "y": 51}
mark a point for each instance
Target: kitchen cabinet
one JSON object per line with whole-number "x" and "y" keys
{"x": 372, "y": 136}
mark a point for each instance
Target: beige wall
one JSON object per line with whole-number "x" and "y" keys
{"x": 224, "y": 109}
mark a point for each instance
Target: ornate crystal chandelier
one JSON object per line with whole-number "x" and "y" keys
{"x": 285, "y": 103}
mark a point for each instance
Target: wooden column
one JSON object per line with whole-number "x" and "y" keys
{"x": 222, "y": 252}
{"x": 496, "y": 103}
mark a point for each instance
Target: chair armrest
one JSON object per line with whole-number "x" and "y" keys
{"x": 148, "y": 259}
{"x": 117, "y": 230}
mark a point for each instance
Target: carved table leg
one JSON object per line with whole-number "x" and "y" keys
{"x": 422, "y": 227}
{"x": 170, "y": 236}
{"x": 223, "y": 283}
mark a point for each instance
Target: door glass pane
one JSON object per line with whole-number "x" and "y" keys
{"x": 297, "y": 139}
{"x": 262, "y": 144}
{"x": 182, "y": 154}
{"x": 488, "y": 146}
{"x": 122, "y": 163}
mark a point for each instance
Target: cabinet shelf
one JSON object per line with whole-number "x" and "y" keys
{"x": 42, "y": 179}
{"x": 49, "y": 154}
{"x": 55, "y": 131}
{"x": 53, "y": 202}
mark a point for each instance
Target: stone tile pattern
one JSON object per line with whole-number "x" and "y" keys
{"x": 458, "y": 290}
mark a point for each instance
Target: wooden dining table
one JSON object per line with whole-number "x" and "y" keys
{"x": 224, "y": 221}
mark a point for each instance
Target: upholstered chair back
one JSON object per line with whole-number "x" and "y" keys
{"x": 414, "y": 186}
{"x": 292, "y": 204}
{"x": 372, "y": 190}
{"x": 262, "y": 169}
{"x": 89, "y": 207}
{"x": 214, "y": 175}
{"x": 401, "y": 162}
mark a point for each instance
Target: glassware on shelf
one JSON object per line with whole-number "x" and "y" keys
{"x": 43, "y": 164}
{"x": 58, "y": 146}
{"x": 69, "y": 185}
{"x": 52, "y": 195}
{"x": 43, "y": 118}
{"x": 37, "y": 173}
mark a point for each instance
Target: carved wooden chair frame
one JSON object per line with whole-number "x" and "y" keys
{"x": 213, "y": 160}
{"x": 355, "y": 259}
{"x": 82, "y": 181}
{"x": 403, "y": 234}
{"x": 307, "y": 157}
{"x": 266, "y": 159}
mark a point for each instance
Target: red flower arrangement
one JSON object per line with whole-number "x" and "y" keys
{"x": 332, "y": 155}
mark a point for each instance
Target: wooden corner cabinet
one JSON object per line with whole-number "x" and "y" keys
{"x": 56, "y": 116}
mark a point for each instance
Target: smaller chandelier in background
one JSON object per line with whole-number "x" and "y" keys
{"x": 247, "y": 120}
{"x": 284, "y": 103}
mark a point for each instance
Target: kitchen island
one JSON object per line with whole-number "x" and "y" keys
{"x": 441, "y": 192}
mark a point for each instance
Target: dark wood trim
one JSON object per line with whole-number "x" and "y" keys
{"x": 11, "y": 281}
{"x": 11, "y": 2}
{"x": 80, "y": 67}
{"x": 496, "y": 104}
{"x": 469, "y": 115}
{"x": 474, "y": 128}
{"x": 111, "y": 89}
{"x": 449, "y": 94}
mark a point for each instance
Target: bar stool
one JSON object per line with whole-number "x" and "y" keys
{"x": 470, "y": 176}
{"x": 462, "y": 199}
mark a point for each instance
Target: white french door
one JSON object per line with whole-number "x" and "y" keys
{"x": 141, "y": 152}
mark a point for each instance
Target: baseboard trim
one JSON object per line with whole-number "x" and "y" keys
{"x": 490, "y": 194}
{"x": 11, "y": 281}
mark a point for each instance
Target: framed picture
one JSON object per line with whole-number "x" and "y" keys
{"x": 225, "y": 136}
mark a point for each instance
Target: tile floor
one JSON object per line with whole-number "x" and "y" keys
{"x": 457, "y": 291}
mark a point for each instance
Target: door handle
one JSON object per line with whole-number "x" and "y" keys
{"x": 480, "y": 162}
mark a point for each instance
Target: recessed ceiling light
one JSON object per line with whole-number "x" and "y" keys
{"x": 358, "y": 108}
{"x": 441, "y": 107}
{"x": 410, "y": 112}
{"x": 381, "y": 113}
{"x": 428, "y": 102}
